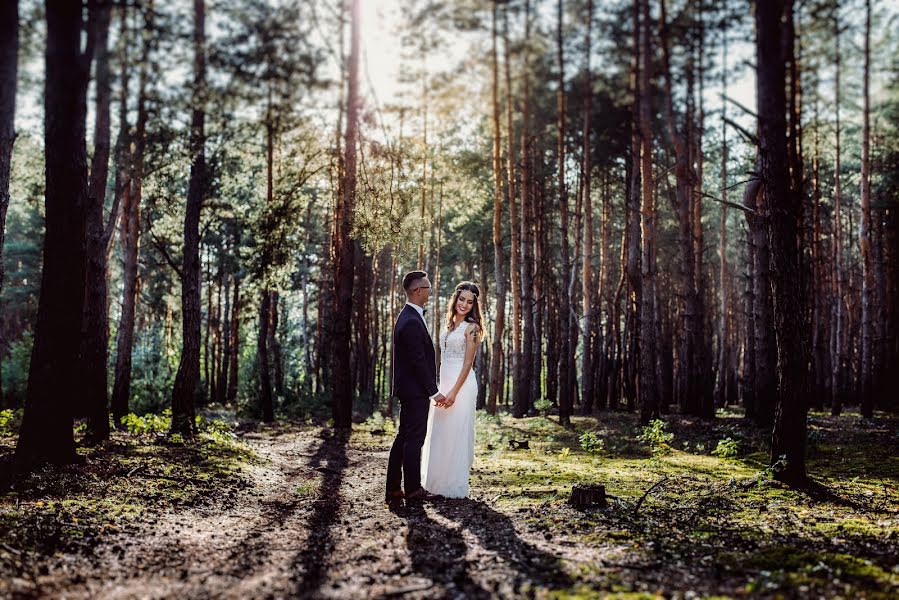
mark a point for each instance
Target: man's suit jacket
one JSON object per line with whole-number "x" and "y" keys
{"x": 414, "y": 362}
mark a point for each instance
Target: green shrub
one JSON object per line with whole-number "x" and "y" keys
{"x": 727, "y": 448}
{"x": 590, "y": 442}
{"x": 218, "y": 430}
{"x": 657, "y": 438}
{"x": 543, "y": 404}
{"x": 7, "y": 423}
{"x": 149, "y": 423}
{"x": 14, "y": 370}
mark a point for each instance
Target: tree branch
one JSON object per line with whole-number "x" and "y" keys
{"x": 160, "y": 246}
{"x": 742, "y": 131}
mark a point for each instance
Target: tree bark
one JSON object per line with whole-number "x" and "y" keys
{"x": 46, "y": 434}
{"x": 235, "y": 343}
{"x": 765, "y": 357}
{"x": 95, "y": 323}
{"x": 589, "y": 297}
{"x": 783, "y": 208}
{"x": 868, "y": 281}
{"x": 187, "y": 380}
{"x": 566, "y": 364}
{"x": 687, "y": 371}
{"x": 498, "y": 260}
{"x": 723, "y": 374}
{"x": 522, "y": 401}
{"x": 514, "y": 222}
{"x": 838, "y": 333}
{"x": 225, "y": 364}
{"x": 129, "y": 176}
{"x": 265, "y": 378}
{"x": 631, "y": 335}
{"x": 342, "y": 391}
{"x": 647, "y": 389}
{"x": 9, "y": 64}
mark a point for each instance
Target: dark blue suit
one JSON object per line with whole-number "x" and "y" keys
{"x": 414, "y": 382}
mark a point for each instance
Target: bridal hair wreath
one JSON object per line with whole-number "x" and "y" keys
{"x": 474, "y": 316}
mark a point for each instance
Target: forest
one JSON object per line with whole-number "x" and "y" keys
{"x": 682, "y": 216}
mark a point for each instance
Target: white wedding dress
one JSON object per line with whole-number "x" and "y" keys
{"x": 449, "y": 445}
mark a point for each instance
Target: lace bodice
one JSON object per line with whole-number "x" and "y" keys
{"x": 452, "y": 344}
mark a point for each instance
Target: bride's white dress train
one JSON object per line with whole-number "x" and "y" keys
{"x": 449, "y": 445}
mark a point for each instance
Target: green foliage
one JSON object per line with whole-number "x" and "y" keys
{"x": 377, "y": 424}
{"x": 149, "y": 423}
{"x": 727, "y": 448}
{"x": 767, "y": 474}
{"x": 590, "y": 442}
{"x": 657, "y": 437}
{"x": 151, "y": 375}
{"x": 543, "y": 404}
{"x": 15, "y": 370}
{"x": 218, "y": 430}
{"x": 7, "y": 420}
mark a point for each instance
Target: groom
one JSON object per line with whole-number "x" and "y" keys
{"x": 414, "y": 383}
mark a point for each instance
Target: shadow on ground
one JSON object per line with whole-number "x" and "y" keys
{"x": 310, "y": 565}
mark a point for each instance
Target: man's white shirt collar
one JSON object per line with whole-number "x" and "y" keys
{"x": 420, "y": 310}
{"x": 421, "y": 313}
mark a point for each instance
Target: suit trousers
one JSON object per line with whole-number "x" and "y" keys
{"x": 404, "y": 464}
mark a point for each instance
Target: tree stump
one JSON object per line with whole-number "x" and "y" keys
{"x": 588, "y": 496}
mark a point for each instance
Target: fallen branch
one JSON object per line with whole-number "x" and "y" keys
{"x": 646, "y": 493}
{"x": 408, "y": 589}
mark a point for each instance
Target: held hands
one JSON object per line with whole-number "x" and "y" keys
{"x": 449, "y": 400}
{"x": 441, "y": 401}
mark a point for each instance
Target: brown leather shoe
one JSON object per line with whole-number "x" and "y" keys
{"x": 423, "y": 495}
{"x": 394, "y": 496}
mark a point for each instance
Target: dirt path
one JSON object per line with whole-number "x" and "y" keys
{"x": 312, "y": 524}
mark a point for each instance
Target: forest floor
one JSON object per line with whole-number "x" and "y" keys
{"x": 293, "y": 510}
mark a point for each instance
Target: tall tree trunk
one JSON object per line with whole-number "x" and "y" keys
{"x": 783, "y": 208}
{"x": 9, "y": 64}
{"x": 525, "y": 363}
{"x": 590, "y": 303}
{"x": 266, "y": 405}
{"x": 687, "y": 372}
{"x": 764, "y": 359}
{"x": 498, "y": 260}
{"x": 342, "y": 391}
{"x": 702, "y": 358}
{"x": 129, "y": 185}
{"x": 95, "y": 321}
{"x": 46, "y": 433}
{"x": 722, "y": 380}
{"x": 540, "y": 240}
{"x": 868, "y": 282}
{"x": 274, "y": 344}
{"x": 632, "y": 267}
{"x": 566, "y": 363}
{"x": 838, "y": 328}
{"x": 207, "y": 353}
{"x": 749, "y": 390}
{"x": 235, "y": 343}
{"x": 225, "y": 363}
{"x": 647, "y": 389}
{"x": 514, "y": 221}
{"x": 187, "y": 380}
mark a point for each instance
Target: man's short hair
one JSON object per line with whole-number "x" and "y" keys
{"x": 411, "y": 278}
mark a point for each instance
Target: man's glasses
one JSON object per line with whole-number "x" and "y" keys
{"x": 425, "y": 287}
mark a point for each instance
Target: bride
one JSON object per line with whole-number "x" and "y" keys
{"x": 449, "y": 445}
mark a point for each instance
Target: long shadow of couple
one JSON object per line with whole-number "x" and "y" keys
{"x": 439, "y": 552}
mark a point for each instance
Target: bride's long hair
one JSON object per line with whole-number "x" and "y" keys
{"x": 474, "y": 316}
